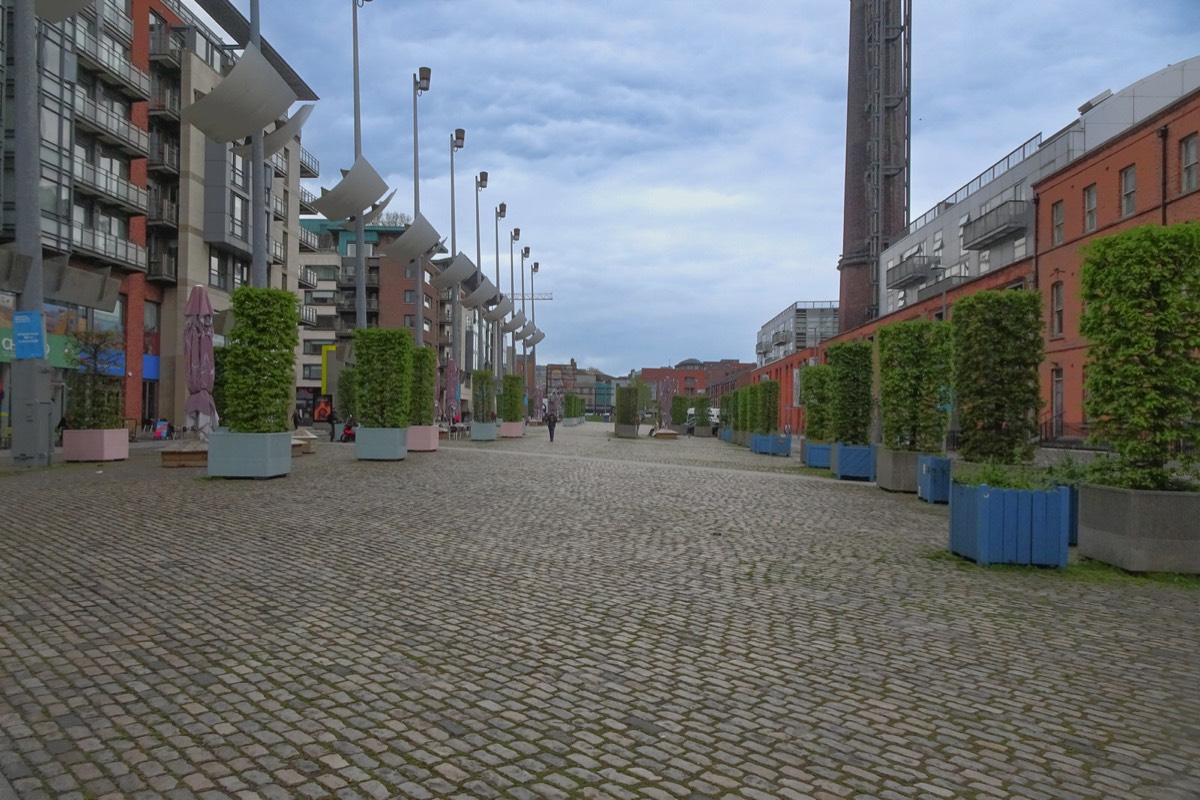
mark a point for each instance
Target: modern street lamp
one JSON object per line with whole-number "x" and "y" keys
{"x": 480, "y": 184}
{"x": 512, "y": 292}
{"x": 533, "y": 268}
{"x": 501, "y": 212}
{"x": 457, "y": 139}
{"x": 360, "y": 224}
{"x": 513, "y": 238}
{"x": 420, "y": 86}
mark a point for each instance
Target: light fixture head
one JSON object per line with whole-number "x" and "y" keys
{"x": 501, "y": 211}
{"x": 516, "y": 234}
{"x": 460, "y": 136}
{"x": 481, "y": 180}
{"x": 421, "y": 79}
{"x": 525, "y": 251}
{"x": 534, "y": 267}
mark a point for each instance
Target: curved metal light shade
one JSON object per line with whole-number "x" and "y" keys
{"x": 500, "y": 310}
{"x": 418, "y": 239}
{"x": 537, "y": 337}
{"x": 485, "y": 291}
{"x": 275, "y": 141}
{"x": 455, "y": 272}
{"x": 359, "y": 188}
{"x": 518, "y": 319}
{"x": 250, "y": 98}
{"x": 58, "y": 10}
{"x": 375, "y": 213}
{"x": 524, "y": 331}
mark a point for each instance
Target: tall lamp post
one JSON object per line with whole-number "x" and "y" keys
{"x": 480, "y": 185}
{"x": 457, "y": 139}
{"x": 513, "y": 238}
{"x": 501, "y": 212}
{"x": 512, "y": 292}
{"x": 533, "y": 269}
{"x": 420, "y": 86}
{"x": 360, "y": 225}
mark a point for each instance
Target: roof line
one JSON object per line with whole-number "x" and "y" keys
{"x": 236, "y": 25}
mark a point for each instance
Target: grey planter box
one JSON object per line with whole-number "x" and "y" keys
{"x": 483, "y": 431}
{"x": 1140, "y": 530}
{"x": 625, "y": 431}
{"x": 380, "y": 444}
{"x": 896, "y": 470}
{"x": 249, "y": 455}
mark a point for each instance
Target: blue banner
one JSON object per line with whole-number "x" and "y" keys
{"x": 29, "y": 335}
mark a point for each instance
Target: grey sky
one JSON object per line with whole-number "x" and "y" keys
{"x": 676, "y": 166}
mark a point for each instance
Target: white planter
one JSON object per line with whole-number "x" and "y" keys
{"x": 422, "y": 438}
{"x": 512, "y": 430}
{"x": 380, "y": 444}
{"x": 249, "y": 455}
{"x": 96, "y": 445}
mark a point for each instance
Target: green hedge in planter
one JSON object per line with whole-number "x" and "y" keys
{"x": 383, "y": 376}
{"x": 853, "y": 375}
{"x": 816, "y": 384}
{"x": 997, "y": 351}
{"x": 218, "y": 391}
{"x": 725, "y": 414}
{"x": 483, "y": 395}
{"x": 626, "y": 411}
{"x": 701, "y": 406}
{"x": 424, "y": 370}
{"x": 743, "y": 409}
{"x": 679, "y": 407}
{"x": 259, "y": 361}
{"x": 768, "y": 407}
{"x": 1141, "y": 294}
{"x": 914, "y": 384}
{"x": 572, "y": 406}
{"x": 344, "y": 400}
{"x": 96, "y": 386}
{"x": 512, "y": 399}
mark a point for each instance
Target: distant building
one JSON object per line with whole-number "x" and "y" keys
{"x": 801, "y": 325}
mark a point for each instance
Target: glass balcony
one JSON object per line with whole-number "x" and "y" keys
{"x": 309, "y": 240}
{"x": 1004, "y": 221}
{"x": 307, "y": 277}
{"x": 90, "y": 178}
{"x": 110, "y": 126}
{"x": 310, "y": 167}
{"x": 164, "y": 156}
{"x": 109, "y": 248}
{"x": 277, "y": 251}
{"x": 166, "y": 48}
{"x": 163, "y": 212}
{"x": 163, "y": 267}
{"x": 278, "y": 206}
{"x": 347, "y": 304}
{"x": 165, "y": 102}
{"x": 346, "y": 277}
{"x": 911, "y": 271}
{"x": 112, "y": 64}
{"x": 115, "y": 19}
{"x": 308, "y": 315}
{"x": 279, "y": 164}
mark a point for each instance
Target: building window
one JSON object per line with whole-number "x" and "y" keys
{"x": 985, "y": 261}
{"x": 428, "y": 301}
{"x": 216, "y": 276}
{"x": 1056, "y": 310}
{"x": 1019, "y": 249}
{"x": 1089, "y": 209}
{"x": 410, "y": 321}
{"x": 312, "y": 372}
{"x": 151, "y": 326}
{"x": 1187, "y": 164}
{"x": 1128, "y": 190}
{"x": 315, "y": 347}
{"x": 1057, "y": 216}
{"x": 409, "y": 296}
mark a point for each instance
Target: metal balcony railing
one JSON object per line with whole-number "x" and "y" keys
{"x": 277, "y": 251}
{"x": 307, "y": 277}
{"x": 347, "y": 304}
{"x": 309, "y": 240}
{"x": 1005, "y": 220}
{"x": 110, "y": 125}
{"x": 128, "y": 196}
{"x": 114, "y": 18}
{"x": 308, "y": 315}
{"x": 307, "y": 199}
{"x": 163, "y": 266}
{"x": 278, "y": 206}
{"x": 107, "y": 247}
{"x": 279, "y": 163}
{"x": 164, "y": 155}
{"x": 911, "y": 271}
{"x": 310, "y": 167}
{"x": 112, "y": 64}
{"x": 346, "y": 277}
{"x": 166, "y": 47}
{"x": 779, "y": 338}
{"x": 165, "y": 101}
{"x": 164, "y": 212}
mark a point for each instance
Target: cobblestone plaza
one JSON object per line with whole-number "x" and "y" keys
{"x": 584, "y": 618}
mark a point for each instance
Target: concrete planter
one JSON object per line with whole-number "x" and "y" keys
{"x": 422, "y": 438}
{"x": 896, "y": 470}
{"x": 771, "y": 444}
{"x": 249, "y": 455}
{"x": 380, "y": 444}
{"x": 625, "y": 431}
{"x": 512, "y": 430}
{"x": 1010, "y": 526}
{"x": 483, "y": 431}
{"x": 96, "y": 445}
{"x": 933, "y": 479}
{"x": 853, "y": 461}
{"x": 818, "y": 456}
{"x": 1140, "y": 530}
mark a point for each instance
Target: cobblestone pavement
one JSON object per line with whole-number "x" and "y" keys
{"x": 583, "y": 618}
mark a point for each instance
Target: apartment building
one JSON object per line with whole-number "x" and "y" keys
{"x": 127, "y": 187}
{"x": 803, "y": 324}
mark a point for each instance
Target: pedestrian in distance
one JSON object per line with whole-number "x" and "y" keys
{"x": 551, "y": 421}
{"x": 296, "y": 420}
{"x": 332, "y": 424}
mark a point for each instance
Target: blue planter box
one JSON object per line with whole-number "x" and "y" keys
{"x": 1073, "y": 522}
{"x": 779, "y": 445}
{"x": 1010, "y": 526}
{"x": 817, "y": 456}
{"x": 380, "y": 444}
{"x": 933, "y": 479}
{"x": 725, "y": 434}
{"x": 249, "y": 455}
{"x": 853, "y": 461}
{"x": 483, "y": 431}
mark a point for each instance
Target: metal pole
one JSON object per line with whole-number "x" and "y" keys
{"x": 479, "y": 264}
{"x": 417, "y": 210}
{"x": 360, "y": 227}
{"x": 454, "y": 305}
{"x": 512, "y": 339}
{"x": 524, "y": 342}
{"x": 258, "y": 184}
{"x": 32, "y": 443}
{"x": 533, "y": 321}
{"x": 496, "y": 346}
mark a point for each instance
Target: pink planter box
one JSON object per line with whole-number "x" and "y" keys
{"x": 96, "y": 445}
{"x": 422, "y": 438}
{"x": 512, "y": 430}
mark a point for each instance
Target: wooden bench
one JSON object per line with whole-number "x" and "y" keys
{"x": 665, "y": 433}
{"x": 185, "y": 453}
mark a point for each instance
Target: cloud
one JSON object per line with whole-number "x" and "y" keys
{"x": 676, "y": 167}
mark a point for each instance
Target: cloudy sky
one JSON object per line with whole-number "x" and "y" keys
{"x": 676, "y": 166}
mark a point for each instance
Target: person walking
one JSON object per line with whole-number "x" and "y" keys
{"x": 332, "y": 417}
{"x": 551, "y": 420}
